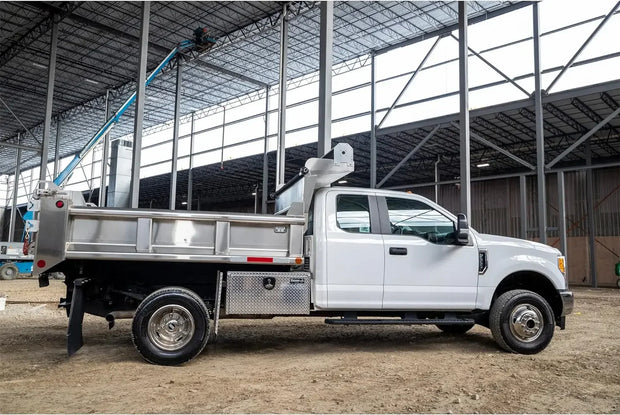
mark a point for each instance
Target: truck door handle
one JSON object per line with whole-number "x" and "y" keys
{"x": 398, "y": 251}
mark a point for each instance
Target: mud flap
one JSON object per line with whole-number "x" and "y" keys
{"x": 76, "y": 316}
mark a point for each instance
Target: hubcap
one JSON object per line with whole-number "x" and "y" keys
{"x": 526, "y": 322}
{"x": 171, "y": 327}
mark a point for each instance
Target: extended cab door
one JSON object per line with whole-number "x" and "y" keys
{"x": 424, "y": 267}
{"x": 354, "y": 251}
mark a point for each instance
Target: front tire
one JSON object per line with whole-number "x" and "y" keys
{"x": 171, "y": 326}
{"x": 521, "y": 321}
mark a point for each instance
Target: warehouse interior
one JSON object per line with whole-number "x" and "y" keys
{"x": 539, "y": 161}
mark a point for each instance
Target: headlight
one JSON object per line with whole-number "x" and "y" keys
{"x": 562, "y": 264}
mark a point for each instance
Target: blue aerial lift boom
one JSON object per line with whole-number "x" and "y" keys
{"x": 10, "y": 266}
{"x": 201, "y": 42}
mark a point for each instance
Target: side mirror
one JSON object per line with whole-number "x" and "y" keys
{"x": 462, "y": 229}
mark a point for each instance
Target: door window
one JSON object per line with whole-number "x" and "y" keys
{"x": 353, "y": 213}
{"x": 412, "y": 217}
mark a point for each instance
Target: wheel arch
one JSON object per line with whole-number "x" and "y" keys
{"x": 532, "y": 281}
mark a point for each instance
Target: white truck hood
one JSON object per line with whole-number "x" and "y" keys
{"x": 508, "y": 255}
{"x": 487, "y": 241}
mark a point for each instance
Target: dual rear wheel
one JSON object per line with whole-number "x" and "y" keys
{"x": 171, "y": 326}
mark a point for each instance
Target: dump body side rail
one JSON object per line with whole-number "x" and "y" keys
{"x": 80, "y": 232}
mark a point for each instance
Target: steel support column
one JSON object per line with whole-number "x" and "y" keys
{"x": 134, "y": 187}
{"x": 7, "y": 198}
{"x": 522, "y": 207}
{"x": 373, "y": 126}
{"x": 92, "y": 176}
{"x": 265, "y": 190}
{"x": 105, "y": 154}
{"x": 57, "y": 148}
{"x": 223, "y": 138}
{"x": 280, "y": 149}
{"x": 561, "y": 212}
{"x": 326, "y": 41}
{"x": 540, "y": 133}
{"x": 437, "y": 180}
{"x": 47, "y": 124}
{"x": 18, "y": 160}
{"x": 175, "y": 136}
{"x": 190, "y": 173}
{"x": 464, "y": 113}
{"x": 590, "y": 215}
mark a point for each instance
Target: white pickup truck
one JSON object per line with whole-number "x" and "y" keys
{"x": 349, "y": 255}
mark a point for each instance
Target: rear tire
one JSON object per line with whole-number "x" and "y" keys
{"x": 171, "y": 326}
{"x": 455, "y": 328}
{"x": 521, "y": 321}
{"x": 9, "y": 271}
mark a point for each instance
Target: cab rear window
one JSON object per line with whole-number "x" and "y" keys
{"x": 353, "y": 213}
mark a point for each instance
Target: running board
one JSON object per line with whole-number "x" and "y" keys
{"x": 408, "y": 318}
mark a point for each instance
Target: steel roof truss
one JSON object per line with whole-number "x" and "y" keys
{"x": 583, "y": 138}
{"x": 41, "y": 28}
{"x": 497, "y": 148}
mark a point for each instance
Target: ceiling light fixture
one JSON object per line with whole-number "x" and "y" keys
{"x": 342, "y": 181}
{"x": 482, "y": 165}
{"x": 38, "y": 65}
{"x": 90, "y": 81}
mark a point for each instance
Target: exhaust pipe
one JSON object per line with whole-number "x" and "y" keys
{"x": 117, "y": 315}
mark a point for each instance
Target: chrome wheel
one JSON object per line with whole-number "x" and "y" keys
{"x": 526, "y": 322}
{"x": 171, "y": 327}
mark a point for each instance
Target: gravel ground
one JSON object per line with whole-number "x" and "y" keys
{"x": 302, "y": 365}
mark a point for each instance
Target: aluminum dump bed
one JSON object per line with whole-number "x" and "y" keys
{"x": 67, "y": 229}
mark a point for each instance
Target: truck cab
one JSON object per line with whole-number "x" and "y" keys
{"x": 393, "y": 252}
{"x": 399, "y": 250}
{"x": 389, "y": 251}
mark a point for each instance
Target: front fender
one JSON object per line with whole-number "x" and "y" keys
{"x": 500, "y": 269}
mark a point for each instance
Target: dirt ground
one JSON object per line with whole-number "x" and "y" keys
{"x": 302, "y": 365}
